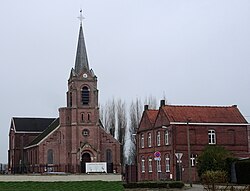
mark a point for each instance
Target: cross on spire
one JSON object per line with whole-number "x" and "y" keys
{"x": 81, "y": 62}
{"x": 81, "y": 17}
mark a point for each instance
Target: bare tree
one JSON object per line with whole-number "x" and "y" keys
{"x": 108, "y": 116}
{"x": 135, "y": 112}
{"x": 121, "y": 125}
{"x": 151, "y": 102}
{"x": 111, "y": 117}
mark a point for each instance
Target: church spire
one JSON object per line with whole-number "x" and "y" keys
{"x": 81, "y": 62}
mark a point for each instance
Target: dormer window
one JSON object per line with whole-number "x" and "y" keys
{"x": 85, "y": 95}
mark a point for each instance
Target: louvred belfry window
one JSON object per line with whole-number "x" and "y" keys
{"x": 85, "y": 95}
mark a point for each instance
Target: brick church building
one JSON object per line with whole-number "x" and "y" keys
{"x": 164, "y": 135}
{"x": 77, "y": 136}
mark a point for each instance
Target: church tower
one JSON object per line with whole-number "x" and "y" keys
{"x": 85, "y": 138}
{"x": 82, "y": 95}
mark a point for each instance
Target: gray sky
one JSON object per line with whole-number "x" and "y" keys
{"x": 196, "y": 52}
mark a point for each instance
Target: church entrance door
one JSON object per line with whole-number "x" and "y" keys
{"x": 85, "y": 158}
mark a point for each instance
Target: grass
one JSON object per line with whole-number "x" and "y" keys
{"x": 61, "y": 186}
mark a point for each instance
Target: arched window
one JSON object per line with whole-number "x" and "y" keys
{"x": 150, "y": 169}
{"x": 89, "y": 120}
{"x": 50, "y": 159}
{"x": 149, "y": 140}
{"x": 142, "y": 140}
{"x": 35, "y": 159}
{"x": 166, "y": 137}
{"x": 211, "y": 137}
{"x": 109, "y": 156}
{"x": 85, "y": 95}
{"x": 31, "y": 157}
{"x": 82, "y": 117}
{"x": 142, "y": 164}
{"x": 158, "y": 165}
{"x": 167, "y": 163}
{"x": 158, "y": 138}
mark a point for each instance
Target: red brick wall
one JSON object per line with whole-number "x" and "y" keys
{"x": 178, "y": 144}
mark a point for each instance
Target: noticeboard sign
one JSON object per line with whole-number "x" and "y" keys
{"x": 96, "y": 167}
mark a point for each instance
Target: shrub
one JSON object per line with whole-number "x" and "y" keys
{"x": 213, "y": 158}
{"x": 210, "y": 179}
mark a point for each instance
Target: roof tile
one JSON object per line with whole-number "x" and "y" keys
{"x": 204, "y": 114}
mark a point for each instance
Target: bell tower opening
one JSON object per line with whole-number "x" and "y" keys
{"x": 85, "y": 95}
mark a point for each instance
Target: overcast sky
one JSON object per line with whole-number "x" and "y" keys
{"x": 195, "y": 52}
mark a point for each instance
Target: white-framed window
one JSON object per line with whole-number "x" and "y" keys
{"x": 211, "y": 137}
{"x": 192, "y": 160}
{"x": 142, "y": 165}
{"x": 142, "y": 140}
{"x": 150, "y": 169}
{"x": 167, "y": 163}
{"x": 149, "y": 140}
{"x": 166, "y": 137}
{"x": 158, "y": 138}
{"x": 158, "y": 165}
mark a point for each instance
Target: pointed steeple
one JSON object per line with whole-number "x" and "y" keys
{"x": 81, "y": 62}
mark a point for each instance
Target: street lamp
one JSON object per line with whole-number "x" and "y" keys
{"x": 189, "y": 154}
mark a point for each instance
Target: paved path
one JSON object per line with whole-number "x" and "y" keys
{"x": 56, "y": 178}
{"x": 195, "y": 187}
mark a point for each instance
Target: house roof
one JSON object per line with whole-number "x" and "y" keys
{"x": 46, "y": 132}
{"x": 152, "y": 114}
{"x": 31, "y": 124}
{"x": 204, "y": 114}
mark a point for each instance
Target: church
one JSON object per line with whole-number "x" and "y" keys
{"x": 75, "y": 138}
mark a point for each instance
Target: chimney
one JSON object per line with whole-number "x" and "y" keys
{"x": 145, "y": 107}
{"x": 234, "y": 105}
{"x": 162, "y": 103}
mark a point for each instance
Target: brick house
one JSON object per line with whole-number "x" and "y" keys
{"x": 162, "y": 138}
{"x": 77, "y": 136}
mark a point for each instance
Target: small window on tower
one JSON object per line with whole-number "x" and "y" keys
{"x": 85, "y": 95}
{"x": 89, "y": 119}
{"x": 82, "y": 117}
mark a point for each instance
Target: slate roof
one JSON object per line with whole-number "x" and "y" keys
{"x": 81, "y": 61}
{"x": 31, "y": 124}
{"x": 204, "y": 114}
{"x": 46, "y": 132}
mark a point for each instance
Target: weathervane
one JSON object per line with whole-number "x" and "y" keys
{"x": 81, "y": 17}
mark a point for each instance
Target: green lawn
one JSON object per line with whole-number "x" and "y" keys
{"x": 62, "y": 186}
